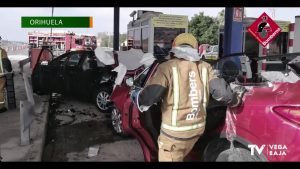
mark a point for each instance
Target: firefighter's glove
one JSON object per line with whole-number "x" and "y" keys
{"x": 239, "y": 92}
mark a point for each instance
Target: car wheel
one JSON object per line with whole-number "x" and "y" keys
{"x": 219, "y": 150}
{"x": 102, "y": 99}
{"x": 116, "y": 121}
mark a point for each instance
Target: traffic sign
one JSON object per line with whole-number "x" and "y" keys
{"x": 264, "y": 29}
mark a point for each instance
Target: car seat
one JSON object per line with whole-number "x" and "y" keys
{"x": 93, "y": 64}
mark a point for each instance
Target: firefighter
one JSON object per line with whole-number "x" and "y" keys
{"x": 5, "y": 66}
{"x": 183, "y": 84}
{"x": 3, "y": 55}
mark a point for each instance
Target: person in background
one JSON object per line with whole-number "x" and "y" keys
{"x": 5, "y": 67}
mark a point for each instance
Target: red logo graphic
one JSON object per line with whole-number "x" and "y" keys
{"x": 264, "y": 29}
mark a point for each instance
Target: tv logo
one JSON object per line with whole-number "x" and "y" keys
{"x": 258, "y": 149}
{"x": 272, "y": 149}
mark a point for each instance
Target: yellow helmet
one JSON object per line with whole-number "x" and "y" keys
{"x": 185, "y": 38}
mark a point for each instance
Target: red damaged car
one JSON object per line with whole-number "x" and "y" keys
{"x": 265, "y": 128}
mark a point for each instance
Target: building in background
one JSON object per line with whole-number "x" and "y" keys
{"x": 154, "y": 32}
{"x": 281, "y": 44}
{"x": 295, "y": 35}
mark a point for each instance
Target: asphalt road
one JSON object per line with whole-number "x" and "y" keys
{"x": 76, "y": 127}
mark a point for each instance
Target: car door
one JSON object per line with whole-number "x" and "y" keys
{"x": 142, "y": 123}
{"x": 47, "y": 77}
{"x": 56, "y": 69}
{"x": 89, "y": 74}
{"x": 71, "y": 73}
{"x": 41, "y": 73}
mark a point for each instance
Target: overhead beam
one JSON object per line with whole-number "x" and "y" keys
{"x": 116, "y": 28}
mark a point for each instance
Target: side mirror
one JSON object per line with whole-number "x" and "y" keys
{"x": 129, "y": 82}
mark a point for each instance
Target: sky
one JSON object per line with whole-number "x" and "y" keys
{"x": 10, "y": 27}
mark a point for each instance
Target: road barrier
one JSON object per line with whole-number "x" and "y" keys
{"x": 14, "y": 48}
{"x": 27, "y": 112}
{"x": 26, "y": 107}
{"x": 23, "y": 62}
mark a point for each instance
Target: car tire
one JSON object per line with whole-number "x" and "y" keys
{"x": 101, "y": 97}
{"x": 116, "y": 122}
{"x": 218, "y": 150}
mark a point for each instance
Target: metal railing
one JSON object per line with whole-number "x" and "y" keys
{"x": 23, "y": 62}
{"x": 27, "y": 112}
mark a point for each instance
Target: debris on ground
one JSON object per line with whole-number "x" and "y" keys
{"x": 93, "y": 151}
{"x": 80, "y": 132}
{"x": 123, "y": 150}
{"x": 64, "y": 119}
{"x": 76, "y": 112}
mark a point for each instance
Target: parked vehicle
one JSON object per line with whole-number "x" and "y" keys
{"x": 267, "y": 120}
{"x": 77, "y": 73}
{"x": 202, "y": 49}
{"x": 211, "y": 52}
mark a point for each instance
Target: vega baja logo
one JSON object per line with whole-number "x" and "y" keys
{"x": 272, "y": 149}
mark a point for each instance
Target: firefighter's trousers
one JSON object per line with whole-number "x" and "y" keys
{"x": 174, "y": 150}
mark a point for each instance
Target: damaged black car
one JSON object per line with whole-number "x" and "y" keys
{"x": 77, "y": 73}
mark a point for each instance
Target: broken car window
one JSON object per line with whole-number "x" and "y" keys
{"x": 74, "y": 59}
{"x": 140, "y": 79}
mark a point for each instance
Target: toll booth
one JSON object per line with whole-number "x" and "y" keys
{"x": 154, "y": 32}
